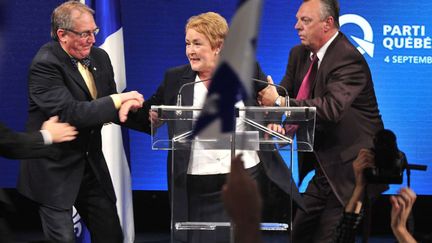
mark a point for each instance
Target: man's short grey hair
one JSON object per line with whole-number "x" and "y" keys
{"x": 329, "y": 8}
{"x": 61, "y": 17}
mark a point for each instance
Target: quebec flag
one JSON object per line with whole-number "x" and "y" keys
{"x": 110, "y": 38}
{"x": 231, "y": 81}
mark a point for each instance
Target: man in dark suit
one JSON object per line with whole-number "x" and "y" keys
{"x": 15, "y": 145}
{"x": 347, "y": 114}
{"x": 71, "y": 78}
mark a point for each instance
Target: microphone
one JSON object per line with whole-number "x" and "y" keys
{"x": 179, "y": 93}
{"x": 277, "y": 86}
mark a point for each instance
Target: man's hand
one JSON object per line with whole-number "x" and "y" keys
{"x": 275, "y": 128}
{"x": 131, "y": 101}
{"x": 268, "y": 95}
{"x": 60, "y": 132}
{"x": 130, "y": 105}
{"x": 132, "y": 95}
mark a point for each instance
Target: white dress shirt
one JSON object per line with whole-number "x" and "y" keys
{"x": 210, "y": 162}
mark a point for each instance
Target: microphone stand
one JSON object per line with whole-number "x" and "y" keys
{"x": 179, "y": 93}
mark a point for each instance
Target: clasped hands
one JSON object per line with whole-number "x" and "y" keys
{"x": 130, "y": 101}
{"x": 268, "y": 95}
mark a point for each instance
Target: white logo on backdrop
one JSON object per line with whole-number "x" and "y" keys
{"x": 365, "y": 44}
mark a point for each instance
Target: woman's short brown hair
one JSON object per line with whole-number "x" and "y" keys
{"x": 212, "y": 25}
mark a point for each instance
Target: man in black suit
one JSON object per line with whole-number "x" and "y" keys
{"x": 347, "y": 114}
{"x": 15, "y": 145}
{"x": 71, "y": 78}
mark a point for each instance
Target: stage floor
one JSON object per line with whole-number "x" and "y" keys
{"x": 37, "y": 237}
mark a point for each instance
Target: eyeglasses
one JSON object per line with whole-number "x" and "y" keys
{"x": 84, "y": 34}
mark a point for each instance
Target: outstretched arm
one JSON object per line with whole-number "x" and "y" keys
{"x": 19, "y": 145}
{"x": 243, "y": 203}
{"x": 347, "y": 227}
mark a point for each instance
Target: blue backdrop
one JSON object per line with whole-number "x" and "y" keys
{"x": 395, "y": 37}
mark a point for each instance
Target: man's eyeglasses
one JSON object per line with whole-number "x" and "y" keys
{"x": 84, "y": 34}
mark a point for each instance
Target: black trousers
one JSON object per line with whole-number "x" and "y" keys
{"x": 205, "y": 204}
{"x": 98, "y": 212}
{"x": 324, "y": 214}
{"x": 5, "y": 208}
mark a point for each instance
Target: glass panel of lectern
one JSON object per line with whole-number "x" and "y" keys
{"x": 173, "y": 132}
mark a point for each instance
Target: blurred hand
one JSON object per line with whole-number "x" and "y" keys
{"x": 130, "y": 105}
{"x": 132, "y": 95}
{"x": 60, "y": 132}
{"x": 154, "y": 119}
{"x": 401, "y": 208}
{"x": 240, "y": 195}
{"x": 268, "y": 95}
{"x": 275, "y": 128}
{"x": 365, "y": 159}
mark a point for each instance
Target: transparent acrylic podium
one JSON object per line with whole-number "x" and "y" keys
{"x": 174, "y": 133}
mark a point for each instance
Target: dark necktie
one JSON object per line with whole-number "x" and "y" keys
{"x": 85, "y": 62}
{"x": 305, "y": 88}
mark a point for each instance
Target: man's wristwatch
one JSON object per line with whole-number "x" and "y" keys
{"x": 278, "y": 101}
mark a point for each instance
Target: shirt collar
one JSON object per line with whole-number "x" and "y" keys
{"x": 321, "y": 52}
